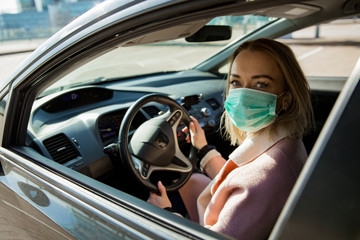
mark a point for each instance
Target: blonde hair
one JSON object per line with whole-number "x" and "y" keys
{"x": 298, "y": 118}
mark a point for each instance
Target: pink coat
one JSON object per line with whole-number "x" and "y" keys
{"x": 245, "y": 199}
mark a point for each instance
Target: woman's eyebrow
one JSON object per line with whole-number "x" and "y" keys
{"x": 234, "y": 75}
{"x": 262, "y": 76}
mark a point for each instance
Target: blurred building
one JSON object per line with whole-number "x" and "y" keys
{"x": 40, "y": 18}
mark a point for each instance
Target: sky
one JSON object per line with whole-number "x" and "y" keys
{"x": 8, "y": 6}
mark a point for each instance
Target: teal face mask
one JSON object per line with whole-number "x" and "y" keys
{"x": 251, "y": 110}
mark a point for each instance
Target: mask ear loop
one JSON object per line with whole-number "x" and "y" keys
{"x": 281, "y": 109}
{"x": 282, "y": 94}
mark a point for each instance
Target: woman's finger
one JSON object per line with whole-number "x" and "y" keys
{"x": 192, "y": 127}
{"x": 161, "y": 188}
{"x": 195, "y": 123}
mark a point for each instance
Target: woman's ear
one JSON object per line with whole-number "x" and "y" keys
{"x": 286, "y": 102}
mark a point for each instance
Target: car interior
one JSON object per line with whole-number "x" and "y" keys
{"x": 95, "y": 105}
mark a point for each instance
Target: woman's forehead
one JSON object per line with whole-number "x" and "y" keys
{"x": 255, "y": 62}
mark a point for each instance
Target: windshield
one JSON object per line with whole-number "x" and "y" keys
{"x": 166, "y": 56}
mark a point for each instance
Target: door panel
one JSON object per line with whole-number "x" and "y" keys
{"x": 20, "y": 220}
{"x": 35, "y": 209}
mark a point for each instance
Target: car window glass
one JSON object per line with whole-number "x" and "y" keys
{"x": 160, "y": 57}
{"x": 327, "y": 50}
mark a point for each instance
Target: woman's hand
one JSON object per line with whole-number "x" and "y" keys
{"x": 197, "y": 134}
{"x": 162, "y": 200}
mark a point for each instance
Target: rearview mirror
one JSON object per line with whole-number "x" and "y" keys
{"x": 211, "y": 33}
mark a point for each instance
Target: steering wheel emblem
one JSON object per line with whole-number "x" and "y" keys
{"x": 162, "y": 140}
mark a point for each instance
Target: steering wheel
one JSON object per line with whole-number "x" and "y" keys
{"x": 154, "y": 145}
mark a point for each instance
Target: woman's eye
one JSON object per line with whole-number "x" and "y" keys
{"x": 235, "y": 83}
{"x": 261, "y": 85}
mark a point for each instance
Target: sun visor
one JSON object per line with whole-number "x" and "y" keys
{"x": 176, "y": 32}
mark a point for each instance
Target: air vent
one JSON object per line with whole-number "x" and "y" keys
{"x": 60, "y": 148}
{"x": 213, "y": 103}
{"x": 151, "y": 110}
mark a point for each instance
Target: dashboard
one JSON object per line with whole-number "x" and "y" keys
{"x": 73, "y": 126}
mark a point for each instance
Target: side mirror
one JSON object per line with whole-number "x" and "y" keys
{"x": 211, "y": 33}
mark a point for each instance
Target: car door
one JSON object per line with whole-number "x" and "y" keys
{"x": 39, "y": 203}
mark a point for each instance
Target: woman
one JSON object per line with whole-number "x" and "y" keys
{"x": 268, "y": 109}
